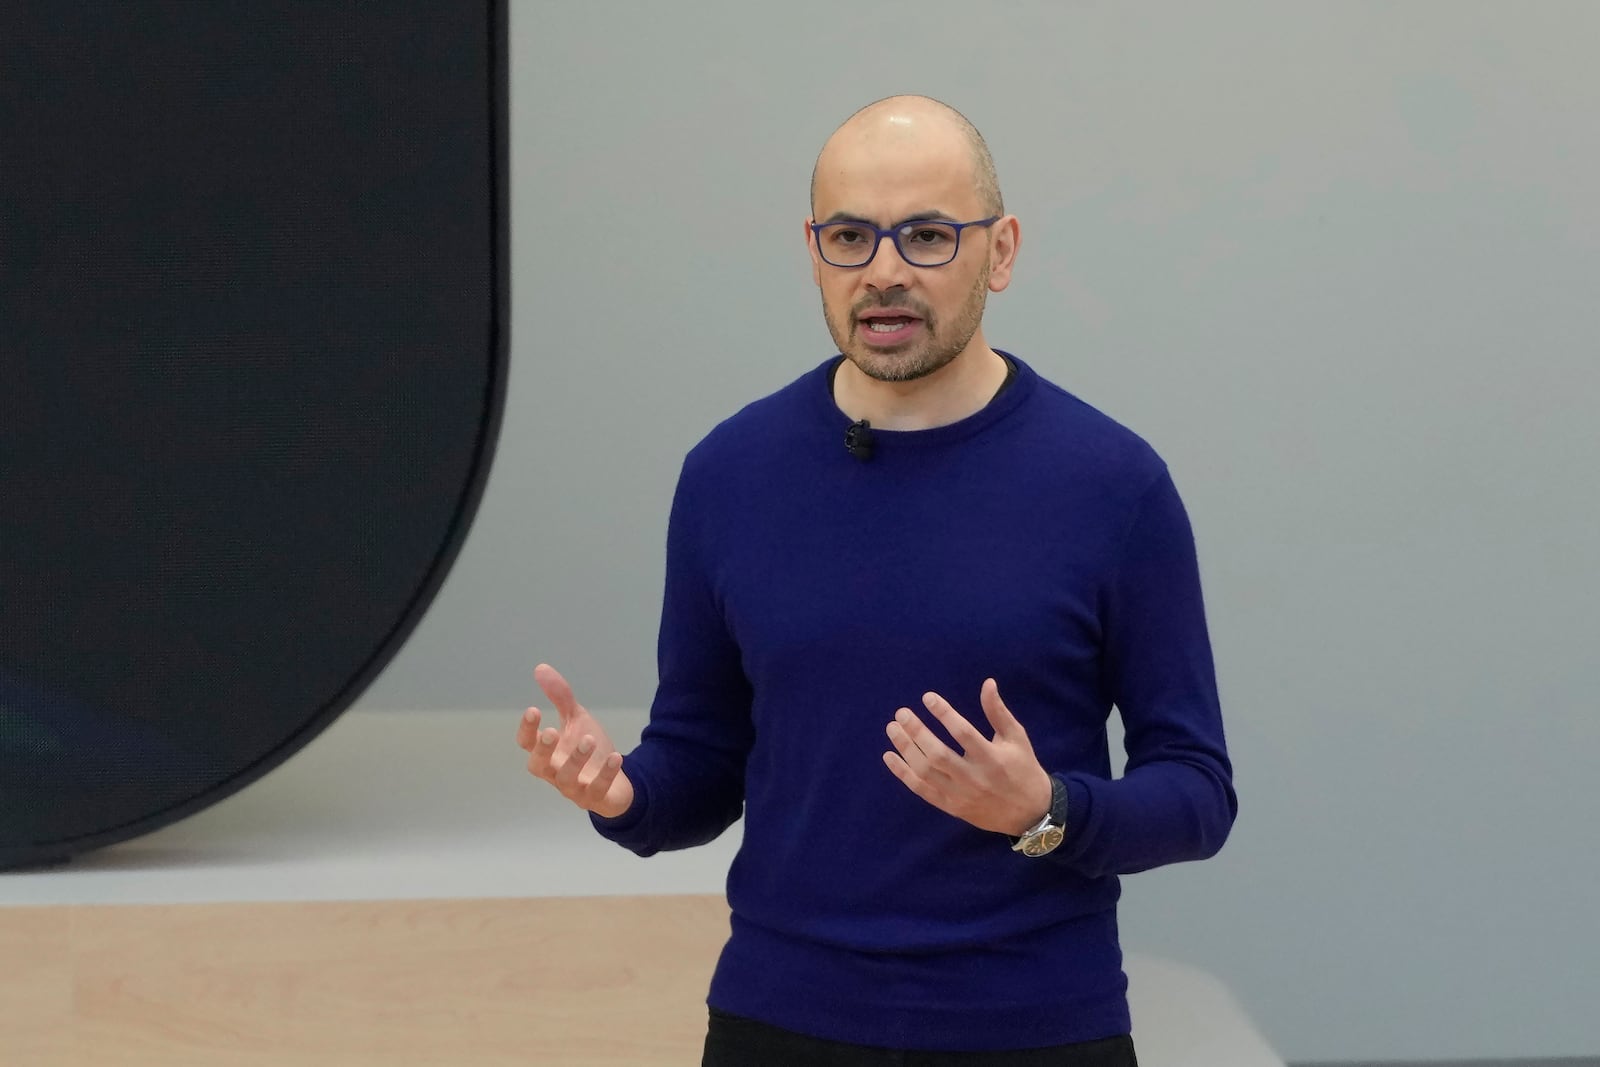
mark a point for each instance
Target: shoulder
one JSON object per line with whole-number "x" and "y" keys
{"x": 767, "y": 430}
{"x": 1076, "y": 432}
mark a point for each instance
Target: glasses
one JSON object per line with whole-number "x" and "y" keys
{"x": 926, "y": 243}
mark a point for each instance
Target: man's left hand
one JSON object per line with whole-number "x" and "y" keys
{"x": 995, "y": 785}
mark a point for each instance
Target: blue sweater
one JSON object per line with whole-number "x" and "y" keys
{"x": 810, "y": 594}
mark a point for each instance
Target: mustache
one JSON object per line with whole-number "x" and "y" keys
{"x": 892, "y": 299}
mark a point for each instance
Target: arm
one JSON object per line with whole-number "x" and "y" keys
{"x": 1176, "y": 799}
{"x": 688, "y": 770}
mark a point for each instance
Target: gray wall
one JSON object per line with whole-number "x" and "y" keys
{"x": 1337, "y": 261}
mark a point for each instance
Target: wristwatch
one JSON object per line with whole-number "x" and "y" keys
{"x": 1045, "y": 835}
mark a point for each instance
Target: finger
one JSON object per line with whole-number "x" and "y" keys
{"x": 528, "y": 730}
{"x": 923, "y": 751}
{"x": 571, "y": 768}
{"x": 543, "y": 753}
{"x": 596, "y": 788}
{"x": 1000, "y": 717}
{"x": 968, "y": 736}
{"x": 560, "y": 693}
{"x": 907, "y": 749}
{"x": 915, "y": 782}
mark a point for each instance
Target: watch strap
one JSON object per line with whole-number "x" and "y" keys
{"x": 1055, "y": 816}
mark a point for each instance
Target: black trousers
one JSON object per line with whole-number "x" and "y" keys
{"x": 733, "y": 1041}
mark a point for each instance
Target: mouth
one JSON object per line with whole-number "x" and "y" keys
{"x": 887, "y": 327}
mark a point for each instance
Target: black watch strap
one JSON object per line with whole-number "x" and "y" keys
{"x": 1058, "y": 805}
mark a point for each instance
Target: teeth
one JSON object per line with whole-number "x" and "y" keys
{"x": 878, "y": 326}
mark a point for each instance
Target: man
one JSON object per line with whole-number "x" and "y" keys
{"x": 902, "y": 596}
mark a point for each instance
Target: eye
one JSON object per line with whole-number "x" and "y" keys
{"x": 928, "y": 236}
{"x": 846, "y": 235}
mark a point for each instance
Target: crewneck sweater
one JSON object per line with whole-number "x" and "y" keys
{"x": 810, "y": 594}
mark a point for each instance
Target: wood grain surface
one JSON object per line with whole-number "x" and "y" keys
{"x": 570, "y": 981}
{"x": 35, "y": 985}
{"x": 583, "y": 981}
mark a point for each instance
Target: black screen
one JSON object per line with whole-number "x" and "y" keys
{"x": 252, "y": 361}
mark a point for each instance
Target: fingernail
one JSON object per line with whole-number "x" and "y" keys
{"x": 928, "y": 700}
{"x": 586, "y": 746}
{"x": 903, "y": 715}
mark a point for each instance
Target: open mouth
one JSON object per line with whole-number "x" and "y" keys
{"x": 888, "y": 329}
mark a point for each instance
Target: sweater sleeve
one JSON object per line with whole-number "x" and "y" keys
{"x": 688, "y": 769}
{"x": 1176, "y": 799}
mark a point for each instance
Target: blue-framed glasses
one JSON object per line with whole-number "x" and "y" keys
{"x": 921, "y": 242}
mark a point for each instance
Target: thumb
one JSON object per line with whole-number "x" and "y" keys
{"x": 1005, "y": 724}
{"x": 560, "y": 693}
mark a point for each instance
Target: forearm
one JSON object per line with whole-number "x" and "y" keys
{"x": 688, "y": 769}
{"x": 1169, "y": 811}
{"x": 1176, "y": 800}
{"x": 684, "y": 795}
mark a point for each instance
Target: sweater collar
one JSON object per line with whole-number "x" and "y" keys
{"x": 1008, "y": 401}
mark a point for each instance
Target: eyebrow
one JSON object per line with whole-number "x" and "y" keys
{"x": 921, "y": 216}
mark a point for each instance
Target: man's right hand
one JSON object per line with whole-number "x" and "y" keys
{"x": 578, "y": 758}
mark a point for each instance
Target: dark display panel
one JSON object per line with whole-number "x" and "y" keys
{"x": 253, "y": 351}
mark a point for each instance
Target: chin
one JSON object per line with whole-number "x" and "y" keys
{"x": 887, "y": 365}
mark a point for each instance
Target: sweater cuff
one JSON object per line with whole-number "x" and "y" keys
{"x": 624, "y": 824}
{"x": 1079, "y": 801}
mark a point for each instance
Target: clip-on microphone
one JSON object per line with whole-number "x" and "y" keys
{"x": 858, "y": 440}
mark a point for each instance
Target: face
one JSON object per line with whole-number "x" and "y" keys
{"x": 895, "y": 321}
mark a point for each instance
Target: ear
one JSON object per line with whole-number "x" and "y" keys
{"x": 811, "y": 246}
{"x": 1005, "y": 241}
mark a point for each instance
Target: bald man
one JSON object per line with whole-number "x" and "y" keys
{"x": 903, "y": 595}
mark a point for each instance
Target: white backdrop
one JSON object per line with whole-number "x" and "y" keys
{"x": 1338, "y": 262}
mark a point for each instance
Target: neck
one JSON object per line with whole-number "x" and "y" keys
{"x": 960, "y": 388}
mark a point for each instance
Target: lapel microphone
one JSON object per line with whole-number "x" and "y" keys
{"x": 858, "y": 440}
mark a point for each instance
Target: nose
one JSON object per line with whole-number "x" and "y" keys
{"x": 888, "y": 269}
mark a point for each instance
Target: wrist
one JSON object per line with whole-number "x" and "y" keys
{"x": 1040, "y": 796}
{"x": 1049, "y": 831}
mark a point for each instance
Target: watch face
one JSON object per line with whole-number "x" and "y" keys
{"x": 1045, "y": 841}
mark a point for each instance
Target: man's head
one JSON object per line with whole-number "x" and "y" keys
{"x": 895, "y": 163}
